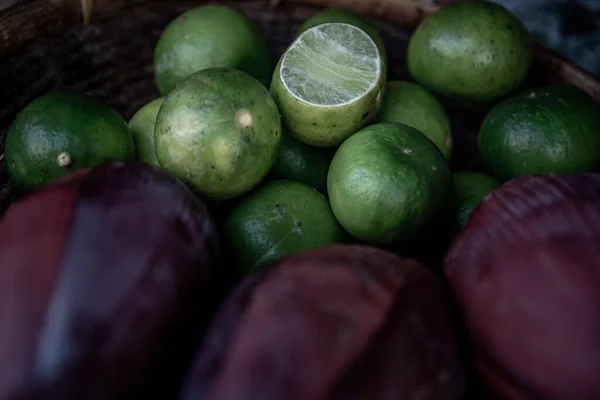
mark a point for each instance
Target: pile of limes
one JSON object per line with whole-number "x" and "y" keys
{"x": 320, "y": 146}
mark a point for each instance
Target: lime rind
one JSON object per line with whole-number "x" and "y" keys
{"x": 339, "y": 74}
{"x": 218, "y": 131}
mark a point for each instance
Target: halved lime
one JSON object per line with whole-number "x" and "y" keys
{"x": 329, "y": 83}
{"x": 348, "y": 17}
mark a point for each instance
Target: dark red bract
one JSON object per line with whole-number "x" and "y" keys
{"x": 100, "y": 277}
{"x": 526, "y": 276}
{"x": 341, "y": 322}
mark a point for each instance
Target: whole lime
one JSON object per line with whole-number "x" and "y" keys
{"x": 471, "y": 52}
{"x": 206, "y": 37}
{"x": 386, "y": 182}
{"x": 469, "y": 189}
{"x": 279, "y": 218}
{"x": 552, "y": 128}
{"x": 348, "y": 17}
{"x": 325, "y": 99}
{"x": 141, "y": 126}
{"x": 414, "y": 106}
{"x": 59, "y": 133}
{"x": 219, "y": 132}
{"x": 303, "y": 163}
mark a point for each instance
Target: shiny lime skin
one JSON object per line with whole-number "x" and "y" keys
{"x": 553, "y": 128}
{"x": 206, "y": 37}
{"x": 348, "y": 17}
{"x": 469, "y": 189}
{"x": 303, "y": 163}
{"x": 141, "y": 126}
{"x": 413, "y": 105}
{"x": 472, "y": 53}
{"x": 281, "y": 217}
{"x": 85, "y": 128}
{"x": 386, "y": 182}
{"x": 219, "y": 132}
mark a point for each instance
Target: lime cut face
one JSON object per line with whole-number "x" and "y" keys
{"x": 349, "y": 17}
{"x": 329, "y": 83}
{"x": 332, "y": 64}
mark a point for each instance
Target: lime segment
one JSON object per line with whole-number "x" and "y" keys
{"x": 321, "y": 69}
{"x": 348, "y": 17}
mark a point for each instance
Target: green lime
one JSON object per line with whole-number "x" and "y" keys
{"x": 473, "y": 53}
{"x": 387, "y": 182}
{"x": 281, "y": 217}
{"x": 328, "y": 84}
{"x": 60, "y": 133}
{"x": 414, "y": 106}
{"x": 348, "y": 17}
{"x": 141, "y": 126}
{"x": 300, "y": 162}
{"x": 206, "y": 37}
{"x": 553, "y": 128}
{"x": 219, "y": 132}
{"x": 469, "y": 189}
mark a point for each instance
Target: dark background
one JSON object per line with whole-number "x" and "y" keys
{"x": 571, "y": 27}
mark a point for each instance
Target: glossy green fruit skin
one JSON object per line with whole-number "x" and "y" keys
{"x": 472, "y": 53}
{"x": 553, "y": 128}
{"x": 469, "y": 189}
{"x": 210, "y": 36}
{"x": 387, "y": 182}
{"x": 219, "y": 132}
{"x": 413, "y": 105}
{"x": 141, "y": 126}
{"x": 280, "y": 218}
{"x": 91, "y": 132}
{"x": 303, "y": 163}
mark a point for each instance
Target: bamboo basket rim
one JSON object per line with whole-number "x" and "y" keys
{"x": 19, "y": 25}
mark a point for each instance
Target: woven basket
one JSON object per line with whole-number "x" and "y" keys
{"x": 105, "y": 47}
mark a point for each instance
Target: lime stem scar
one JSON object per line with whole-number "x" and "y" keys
{"x": 243, "y": 118}
{"x": 64, "y": 159}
